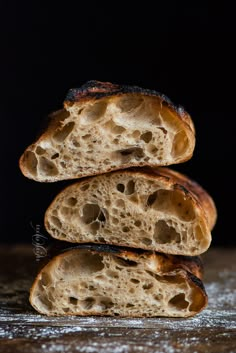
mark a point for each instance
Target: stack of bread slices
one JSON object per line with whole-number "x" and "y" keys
{"x": 137, "y": 227}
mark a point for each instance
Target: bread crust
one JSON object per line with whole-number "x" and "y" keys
{"x": 189, "y": 268}
{"x": 182, "y": 182}
{"x": 166, "y": 262}
{"x": 93, "y": 91}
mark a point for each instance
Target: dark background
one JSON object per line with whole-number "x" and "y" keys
{"x": 184, "y": 50}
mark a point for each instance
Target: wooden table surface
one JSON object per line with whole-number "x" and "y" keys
{"x": 24, "y": 330}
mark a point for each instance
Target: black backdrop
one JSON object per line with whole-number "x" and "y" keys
{"x": 184, "y": 50}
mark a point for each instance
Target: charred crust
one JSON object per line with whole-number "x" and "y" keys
{"x": 191, "y": 263}
{"x": 97, "y": 90}
{"x": 194, "y": 259}
{"x": 59, "y": 247}
{"x": 197, "y": 282}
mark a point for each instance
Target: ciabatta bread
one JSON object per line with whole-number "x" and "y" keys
{"x": 105, "y": 127}
{"x": 153, "y": 209}
{"x": 110, "y": 281}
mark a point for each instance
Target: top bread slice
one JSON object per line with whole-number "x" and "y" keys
{"x": 105, "y": 127}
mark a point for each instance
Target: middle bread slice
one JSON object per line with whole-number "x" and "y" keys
{"x": 153, "y": 209}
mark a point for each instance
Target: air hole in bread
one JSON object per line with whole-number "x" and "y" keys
{"x": 73, "y": 300}
{"x": 128, "y": 103}
{"x": 86, "y": 137}
{"x": 31, "y": 162}
{"x": 55, "y": 155}
{"x": 152, "y": 149}
{"x": 120, "y": 203}
{"x": 114, "y": 220}
{"x": 146, "y": 137}
{"x": 94, "y": 227}
{"x": 45, "y": 303}
{"x": 114, "y": 211}
{"x": 112, "y": 127}
{"x": 146, "y": 241}
{"x": 125, "y": 229}
{"x": 163, "y": 130}
{"x": 112, "y": 274}
{"x": 130, "y": 187}
{"x": 60, "y": 115}
{"x": 86, "y": 262}
{"x": 135, "y": 280}
{"x": 87, "y": 303}
{"x": 84, "y": 187}
{"x": 105, "y": 303}
{"x": 75, "y": 143}
{"x": 136, "y": 134}
{"x": 39, "y": 150}
{"x": 137, "y": 223}
{"x": 56, "y": 222}
{"x": 101, "y": 216}
{"x": 164, "y": 234}
{"x": 180, "y": 144}
{"x": 179, "y": 302}
{"x": 93, "y": 112}
{"x": 65, "y": 211}
{"x": 157, "y": 297}
{"x": 173, "y": 201}
{"x": 47, "y": 167}
{"x": 91, "y": 212}
{"x": 62, "y": 133}
{"x": 45, "y": 279}
{"x": 120, "y": 187}
{"x": 198, "y": 233}
{"x": 101, "y": 240}
{"x": 124, "y": 262}
{"x": 135, "y": 152}
{"x": 71, "y": 201}
{"x": 118, "y": 129}
{"x": 129, "y": 305}
{"x": 151, "y": 199}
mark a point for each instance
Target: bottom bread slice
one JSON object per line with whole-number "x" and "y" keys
{"x": 104, "y": 280}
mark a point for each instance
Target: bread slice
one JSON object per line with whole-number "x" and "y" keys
{"x": 153, "y": 209}
{"x": 98, "y": 280}
{"x": 105, "y": 127}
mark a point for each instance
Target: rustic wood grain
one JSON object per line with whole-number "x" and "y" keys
{"x": 23, "y": 330}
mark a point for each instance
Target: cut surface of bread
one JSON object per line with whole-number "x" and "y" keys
{"x": 152, "y": 209}
{"x": 119, "y": 282}
{"x": 105, "y": 127}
